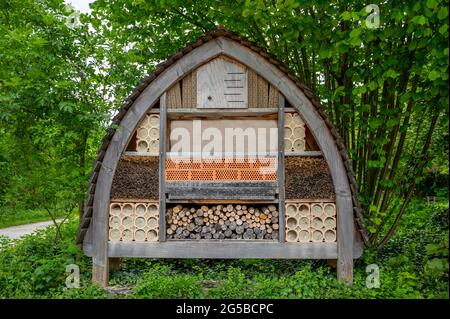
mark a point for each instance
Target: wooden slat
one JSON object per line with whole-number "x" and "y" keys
{"x": 224, "y": 249}
{"x": 171, "y": 249}
{"x": 162, "y": 167}
{"x": 280, "y": 172}
{"x": 305, "y": 154}
{"x": 228, "y": 112}
{"x": 222, "y": 193}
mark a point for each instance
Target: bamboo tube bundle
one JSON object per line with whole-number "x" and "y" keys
{"x": 222, "y": 222}
{"x": 310, "y": 222}
{"x": 147, "y": 135}
{"x": 134, "y": 222}
{"x": 294, "y": 133}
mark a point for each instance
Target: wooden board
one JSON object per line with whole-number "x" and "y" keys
{"x": 280, "y": 171}
{"x": 220, "y": 191}
{"x": 224, "y": 249}
{"x": 162, "y": 168}
{"x": 206, "y": 249}
{"x": 222, "y": 84}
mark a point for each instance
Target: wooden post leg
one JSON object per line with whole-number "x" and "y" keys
{"x": 115, "y": 264}
{"x": 100, "y": 272}
{"x": 345, "y": 271}
{"x": 345, "y": 239}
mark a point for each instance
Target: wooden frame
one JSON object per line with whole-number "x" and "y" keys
{"x": 162, "y": 167}
{"x": 150, "y": 96}
{"x": 280, "y": 171}
{"x": 214, "y": 248}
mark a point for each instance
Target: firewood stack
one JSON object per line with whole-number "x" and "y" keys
{"x": 222, "y": 222}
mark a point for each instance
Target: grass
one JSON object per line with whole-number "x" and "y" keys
{"x": 10, "y": 218}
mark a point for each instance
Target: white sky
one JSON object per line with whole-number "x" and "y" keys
{"x": 81, "y": 5}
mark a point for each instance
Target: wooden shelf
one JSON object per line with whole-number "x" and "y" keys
{"x": 217, "y": 113}
{"x": 305, "y": 154}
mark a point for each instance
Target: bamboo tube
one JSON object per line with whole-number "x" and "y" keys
{"x": 304, "y": 236}
{"x": 330, "y": 236}
{"x": 291, "y": 236}
{"x": 114, "y": 234}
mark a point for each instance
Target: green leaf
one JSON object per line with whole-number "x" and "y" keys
{"x": 346, "y": 16}
{"x": 443, "y": 29}
{"x": 391, "y": 74}
{"x": 431, "y": 4}
{"x": 355, "y": 33}
{"x": 442, "y": 13}
{"x": 433, "y": 75}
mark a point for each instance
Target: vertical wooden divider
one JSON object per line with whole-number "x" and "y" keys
{"x": 280, "y": 173}
{"x": 162, "y": 166}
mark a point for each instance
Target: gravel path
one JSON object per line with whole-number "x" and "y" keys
{"x": 16, "y": 232}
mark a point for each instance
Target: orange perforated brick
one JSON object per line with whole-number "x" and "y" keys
{"x": 190, "y": 164}
{"x": 171, "y": 164}
{"x": 177, "y": 175}
{"x": 210, "y": 164}
{"x": 202, "y": 175}
{"x": 227, "y": 175}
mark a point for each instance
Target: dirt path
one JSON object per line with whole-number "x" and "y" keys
{"x": 16, "y": 232}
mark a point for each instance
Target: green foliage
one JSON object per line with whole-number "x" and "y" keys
{"x": 160, "y": 283}
{"x": 35, "y": 266}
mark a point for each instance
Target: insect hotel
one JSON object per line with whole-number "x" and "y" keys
{"x": 222, "y": 152}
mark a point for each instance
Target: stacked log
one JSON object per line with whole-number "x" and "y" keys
{"x": 222, "y": 222}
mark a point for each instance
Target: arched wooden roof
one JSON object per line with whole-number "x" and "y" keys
{"x": 282, "y": 74}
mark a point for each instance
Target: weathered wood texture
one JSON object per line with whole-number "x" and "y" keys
{"x": 162, "y": 166}
{"x": 280, "y": 171}
{"x": 228, "y": 249}
{"x": 222, "y": 83}
{"x": 222, "y": 190}
{"x": 225, "y": 249}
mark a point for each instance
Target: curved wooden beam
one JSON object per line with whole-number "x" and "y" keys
{"x": 149, "y": 97}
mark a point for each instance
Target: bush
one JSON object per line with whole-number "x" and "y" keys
{"x": 161, "y": 283}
